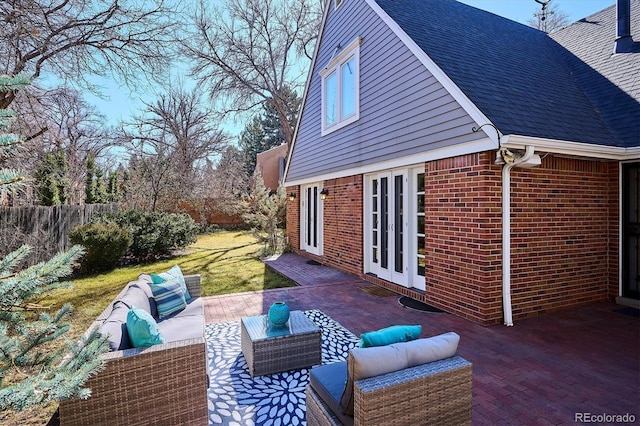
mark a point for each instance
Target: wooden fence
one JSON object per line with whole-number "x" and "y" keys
{"x": 44, "y": 228}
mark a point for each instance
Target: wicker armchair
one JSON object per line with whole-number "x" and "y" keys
{"x": 161, "y": 384}
{"x": 436, "y": 393}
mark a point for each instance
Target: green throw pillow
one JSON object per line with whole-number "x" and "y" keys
{"x": 174, "y": 272}
{"x": 142, "y": 328}
{"x": 389, "y": 335}
{"x": 169, "y": 297}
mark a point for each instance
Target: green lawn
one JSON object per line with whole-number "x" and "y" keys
{"x": 228, "y": 262}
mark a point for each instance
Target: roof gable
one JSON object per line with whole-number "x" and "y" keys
{"x": 516, "y": 75}
{"x": 406, "y": 114}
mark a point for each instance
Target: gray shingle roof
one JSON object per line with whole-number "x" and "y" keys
{"x": 615, "y": 88}
{"x": 519, "y": 77}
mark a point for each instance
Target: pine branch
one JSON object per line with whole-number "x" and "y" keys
{"x": 37, "y": 369}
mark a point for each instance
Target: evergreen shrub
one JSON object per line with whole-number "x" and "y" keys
{"x": 154, "y": 234}
{"x": 105, "y": 244}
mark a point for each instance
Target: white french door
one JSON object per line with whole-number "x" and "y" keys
{"x": 311, "y": 219}
{"x": 394, "y": 226}
{"x": 388, "y": 226}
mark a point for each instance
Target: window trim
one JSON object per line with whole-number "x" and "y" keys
{"x": 334, "y": 66}
{"x": 338, "y": 3}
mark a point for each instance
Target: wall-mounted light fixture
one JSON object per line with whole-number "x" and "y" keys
{"x": 324, "y": 193}
{"x": 292, "y": 196}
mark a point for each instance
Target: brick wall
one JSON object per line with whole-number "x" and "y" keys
{"x": 463, "y": 237}
{"x": 293, "y": 218}
{"x": 342, "y": 244}
{"x": 564, "y": 235}
{"x": 563, "y": 215}
{"x": 343, "y": 224}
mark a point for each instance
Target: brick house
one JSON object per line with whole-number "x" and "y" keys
{"x": 270, "y": 164}
{"x": 471, "y": 162}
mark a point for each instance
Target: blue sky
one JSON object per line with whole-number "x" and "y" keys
{"x": 121, "y": 103}
{"x": 522, "y": 10}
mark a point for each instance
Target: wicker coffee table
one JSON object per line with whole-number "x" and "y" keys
{"x": 270, "y": 350}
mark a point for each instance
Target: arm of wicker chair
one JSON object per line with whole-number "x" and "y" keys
{"x": 435, "y": 393}
{"x": 166, "y": 382}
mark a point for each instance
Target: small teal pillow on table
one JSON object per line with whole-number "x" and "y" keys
{"x": 174, "y": 272}
{"x": 169, "y": 297}
{"x": 389, "y": 335}
{"x": 142, "y": 328}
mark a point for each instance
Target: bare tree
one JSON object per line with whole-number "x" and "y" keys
{"x": 77, "y": 129}
{"x": 61, "y": 120}
{"x": 249, "y": 51}
{"x": 150, "y": 180}
{"x": 178, "y": 132}
{"x": 549, "y": 18}
{"x": 73, "y": 39}
{"x": 230, "y": 179}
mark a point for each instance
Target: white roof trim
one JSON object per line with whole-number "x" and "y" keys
{"x": 479, "y": 145}
{"x": 577, "y": 149}
{"x": 437, "y": 72}
{"x": 306, "y": 87}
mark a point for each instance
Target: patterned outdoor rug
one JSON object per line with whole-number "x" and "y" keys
{"x": 235, "y": 398}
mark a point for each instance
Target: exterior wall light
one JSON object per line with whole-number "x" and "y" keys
{"x": 324, "y": 193}
{"x": 292, "y": 196}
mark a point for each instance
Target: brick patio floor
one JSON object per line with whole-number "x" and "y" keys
{"x": 542, "y": 371}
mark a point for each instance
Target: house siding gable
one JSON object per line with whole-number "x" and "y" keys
{"x": 404, "y": 109}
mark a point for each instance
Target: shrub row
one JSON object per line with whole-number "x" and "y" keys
{"x": 138, "y": 235}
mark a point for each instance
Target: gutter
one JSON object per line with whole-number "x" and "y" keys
{"x": 527, "y": 160}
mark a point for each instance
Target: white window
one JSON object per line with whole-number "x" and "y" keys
{"x": 339, "y": 3}
{"x": 341, "y": 88}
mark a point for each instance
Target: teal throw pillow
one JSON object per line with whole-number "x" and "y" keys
{"x": 389, "y": 335}
{"x": 174, "y": 272}
{"x": 142, "y": 328}
{"x": 169, "y": 297}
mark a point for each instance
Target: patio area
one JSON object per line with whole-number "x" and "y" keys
{"x": 544, "y": 370}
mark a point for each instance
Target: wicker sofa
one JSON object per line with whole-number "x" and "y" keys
{"x": 437, "y": 392}
{"x": 161, "y": 384}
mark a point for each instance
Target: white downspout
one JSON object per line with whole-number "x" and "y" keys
{"x": 506, "y": 233}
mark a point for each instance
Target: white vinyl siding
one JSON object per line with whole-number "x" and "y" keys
{"x": 403, "y": 110}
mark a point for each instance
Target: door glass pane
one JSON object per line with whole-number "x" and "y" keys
{"x": 421, "y": 264}
{"x": 348, "y": 95}
{"x": 315, "y": 215}
{"x": 420, "y": 183}
{"x": 420, "y": 202}
{"x": 421, "y": 249}
{"x": 309, "y": 216}
{"x": 399, "y": 221}
{"x": 420, "y": 225}
{"x": 330, "y": 100}
{"x": 384, "y": 223}
{"x": 374, "y": 234}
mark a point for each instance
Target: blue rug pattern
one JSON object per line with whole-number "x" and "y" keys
{"x": 235, "y": 398}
